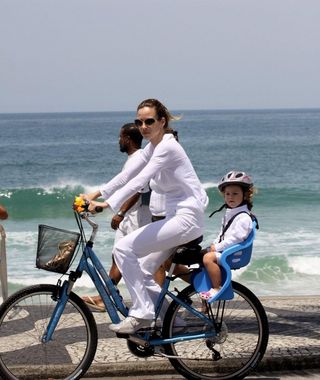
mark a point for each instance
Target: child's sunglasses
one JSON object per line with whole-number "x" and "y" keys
{"x": 148, "y": 122}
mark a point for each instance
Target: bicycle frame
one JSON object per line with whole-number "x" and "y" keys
{"x": 91, "y": 264}
{"x": 224, "y": 339}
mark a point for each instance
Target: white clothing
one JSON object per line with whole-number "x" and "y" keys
{"x": 157, "y": 204}
{"x": 168, "y": 170}
{"x": 139, "y": 254}
{"x": 238, "y": 231}
{"x": 138, "y": 215}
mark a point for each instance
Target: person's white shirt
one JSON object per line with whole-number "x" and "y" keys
{"x": 138, "y": 215}
{"x": 157, "y": 204}
{"x": 239, "y": 229}
{"x": 168, "y": 170}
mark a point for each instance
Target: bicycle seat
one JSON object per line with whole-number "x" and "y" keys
{"x": 234, "y": 257}
{"x": 189, "y": 253}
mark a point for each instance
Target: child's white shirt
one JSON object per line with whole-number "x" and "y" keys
{"x": 239, "y": 229}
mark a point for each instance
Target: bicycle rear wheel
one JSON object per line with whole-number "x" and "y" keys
{"x": 23, "y": 321}
{"x": 240, "y": 344}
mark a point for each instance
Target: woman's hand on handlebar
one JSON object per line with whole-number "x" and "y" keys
{"x": 84, "y": 202}
{"x": 95, "y": 206}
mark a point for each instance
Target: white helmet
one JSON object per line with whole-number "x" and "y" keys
{"x": 235, "y": 178}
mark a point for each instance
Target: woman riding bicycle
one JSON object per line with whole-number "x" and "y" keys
{"x": 164, "y": 164}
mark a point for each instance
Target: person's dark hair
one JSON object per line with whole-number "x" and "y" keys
{"x": 161, "y": 110}
{"x": 133, "y": 132}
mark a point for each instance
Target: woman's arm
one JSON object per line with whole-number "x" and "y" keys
{"x": 136, "y": 165}
{"x": 163, "y": 157}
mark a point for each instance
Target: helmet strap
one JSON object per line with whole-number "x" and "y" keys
{"x": 219, "y": 209}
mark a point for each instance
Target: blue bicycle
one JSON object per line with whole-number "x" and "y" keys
{"x": 47, "y": 331}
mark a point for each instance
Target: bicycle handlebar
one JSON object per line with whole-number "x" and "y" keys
{"x": 80, "y": 205}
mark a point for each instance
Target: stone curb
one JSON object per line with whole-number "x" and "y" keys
{"x": 294, "y": 342}
{"x": 268, "y": 364}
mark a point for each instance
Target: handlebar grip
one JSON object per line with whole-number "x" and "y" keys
{"x": 98, "y": 209}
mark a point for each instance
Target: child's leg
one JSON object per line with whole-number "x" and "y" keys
{"x": 213, "y": 269}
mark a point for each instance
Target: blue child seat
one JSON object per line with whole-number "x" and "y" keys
{"x": 234, "y": 257}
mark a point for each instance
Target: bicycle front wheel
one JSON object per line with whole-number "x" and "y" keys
{"x": 23, "y": 321}
{"x": 238, "y": 346}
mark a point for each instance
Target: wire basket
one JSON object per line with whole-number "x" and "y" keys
{"x": 56, "y": 248}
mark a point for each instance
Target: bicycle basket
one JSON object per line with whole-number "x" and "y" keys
{"x": 55, "y": 248}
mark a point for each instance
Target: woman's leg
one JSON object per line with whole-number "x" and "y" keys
{"x": 156, "y": 241}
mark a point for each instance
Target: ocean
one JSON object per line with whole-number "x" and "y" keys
{"x": 47, "y": 159}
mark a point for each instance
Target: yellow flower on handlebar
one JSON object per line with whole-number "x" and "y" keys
{"x": 79, "y": 204}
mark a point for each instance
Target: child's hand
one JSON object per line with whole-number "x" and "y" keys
{"x": 208, "y": 249}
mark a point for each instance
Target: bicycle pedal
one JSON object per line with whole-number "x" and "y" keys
{"x": 133, "y": 338}
{"x": 140, "y": 341}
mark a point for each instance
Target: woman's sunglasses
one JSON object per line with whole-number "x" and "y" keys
{"x": 149, "y": 121}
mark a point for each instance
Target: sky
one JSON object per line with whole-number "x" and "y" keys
{"x": 108, "y": 55}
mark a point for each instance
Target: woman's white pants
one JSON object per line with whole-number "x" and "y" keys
{"x": 139, "y": 254}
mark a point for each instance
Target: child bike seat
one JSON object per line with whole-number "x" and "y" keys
{"x": 234, "y": 257}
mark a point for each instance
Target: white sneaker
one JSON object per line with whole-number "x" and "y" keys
{"x": 130, "y": 325}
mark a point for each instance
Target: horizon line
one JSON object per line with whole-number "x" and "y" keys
{"x": 173, "y": 110}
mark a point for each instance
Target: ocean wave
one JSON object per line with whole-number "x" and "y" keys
{"x": 276, "y": 268}
{"x": 309, "y": 265}
{"x": 75, "y": 184}
{"x": 210, "y": 185}
{"x": 281, "y": 275}
{"x": 63, "y": 185}
{"x": 274, "y": 275}
{"x": 48, "y": 201}
{"x": 53, "y": 200}
{"x": 22, "y": 239}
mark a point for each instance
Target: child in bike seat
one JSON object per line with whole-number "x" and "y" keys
{"x": 237, "y": 190}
